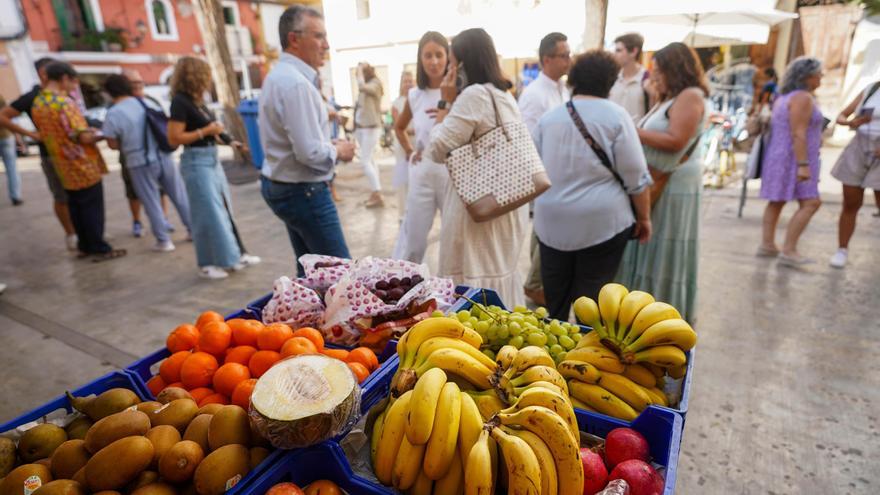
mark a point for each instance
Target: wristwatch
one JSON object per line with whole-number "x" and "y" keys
{"x": 442, "y": 105}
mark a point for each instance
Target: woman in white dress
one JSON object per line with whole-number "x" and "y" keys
{"x": 427, "y": 178}
{"x": 477, "y": 254}
{"x": 400, "y": 177}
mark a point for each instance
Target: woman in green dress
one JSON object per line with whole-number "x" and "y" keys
{"x": 666, "y": 266}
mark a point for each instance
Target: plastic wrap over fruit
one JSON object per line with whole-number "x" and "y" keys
{"x": 304, "y": 400}
{"x": 321, "y": 272}
{"x": 294, "y": 304}
{"x": 616, "y": 487}
{"x": 353, "y": 303}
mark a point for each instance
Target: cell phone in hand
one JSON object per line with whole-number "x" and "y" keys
{"x": 866, "y": 112}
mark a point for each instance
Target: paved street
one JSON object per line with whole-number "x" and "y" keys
{"x": 784, "y": 399}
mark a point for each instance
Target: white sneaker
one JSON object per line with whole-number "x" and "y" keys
{"x": 2, "y": 288}
{"x": 838, "y": 260}
{"x": 245, "y": 261}
{"x": 212, "y": 272}
{"x": 163, "y": 246}
{"x": 72, "y": 240}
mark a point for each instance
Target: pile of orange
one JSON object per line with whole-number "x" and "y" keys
{"x": 219, "y": 361}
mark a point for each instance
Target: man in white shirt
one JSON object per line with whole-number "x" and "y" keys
{"x": 545, "y": 93}
{"x": 629, "y": 91}
{"x": 295, "y": 135}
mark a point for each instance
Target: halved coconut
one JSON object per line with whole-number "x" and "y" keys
{"x": 305, "y": 400}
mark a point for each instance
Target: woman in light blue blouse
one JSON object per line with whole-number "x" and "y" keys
{"x": 585, "y": 219}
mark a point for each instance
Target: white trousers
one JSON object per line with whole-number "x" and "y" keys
{"x": 427, "y": 191}
{"x": 367, "y": 139}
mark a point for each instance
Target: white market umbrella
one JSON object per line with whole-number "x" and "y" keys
{"x": 701, "y": 14}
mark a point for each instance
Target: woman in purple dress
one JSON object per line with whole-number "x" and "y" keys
{"x": 791, "y": 162}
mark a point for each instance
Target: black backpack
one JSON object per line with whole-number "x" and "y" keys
{"x": 157, "y": 124}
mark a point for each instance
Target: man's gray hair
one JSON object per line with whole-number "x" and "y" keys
{"x": 797, "y": 72}
{"x": 293, "y": 21}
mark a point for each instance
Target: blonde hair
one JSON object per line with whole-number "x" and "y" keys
{"x": 192, "y": 76}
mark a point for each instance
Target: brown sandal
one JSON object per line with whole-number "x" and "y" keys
{"x": 110, "y": 255}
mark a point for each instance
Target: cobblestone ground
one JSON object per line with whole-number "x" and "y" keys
{"x": 782, "y": 399}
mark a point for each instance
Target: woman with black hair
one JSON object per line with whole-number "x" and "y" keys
{"x": 476, "y": 254}
{"x": 427, "y": 179}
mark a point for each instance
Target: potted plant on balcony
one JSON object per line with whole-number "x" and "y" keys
{"x": 115, "y": 39}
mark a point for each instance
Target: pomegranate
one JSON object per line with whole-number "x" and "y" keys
{"x": 595, "y": 472}
{"x": 623, "y": 444}
{"x": 641, "y": 477}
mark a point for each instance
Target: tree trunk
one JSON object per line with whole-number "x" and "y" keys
{"x": 209, "y": 16}
{"x": 596, "y": 12}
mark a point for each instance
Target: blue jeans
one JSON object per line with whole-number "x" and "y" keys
{"x": 310, "y": 216}
{"x": 148, "y": 180}
{"x": 7, "y": 153}
{"x": 213, "y": 230}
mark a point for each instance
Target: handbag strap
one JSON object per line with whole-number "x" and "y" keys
{"x": 603, "y": 157}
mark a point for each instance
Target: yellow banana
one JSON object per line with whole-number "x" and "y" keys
{"x": 435, "y": 343}
{"x": 602, "y": 400}
{"x": 657, "y": 396}
{"x": 393, "y": 430}
{"x": 665, "y": 356}
{"x": 658, "y": 371}
{"x": 678, "y": 371}
{"x": 579, "y": 370}
{"x": 459, "y": 363}
{"x": 453, "y": 482}
{"x": 505, "y": 357}
{"x": 435, "y": 327}
{"x": 610, "y": 297}
{"x": 523, "y": 469}
{"x": 655, "y": 312}
{"x": 599, "y": 356}
{"x": 640, "y": 374}
{"x": 634, "y": 302}
{"x": 487, "y": 402}
{"x": 549, "y": 481}
{"x": 376, "y": 435}
{"x": 538, "y": 373}
{"x": 551, "y": 400}
{"x": 675, "y": 332}
{"x": 528, "y": 357}
{"x": 559, "y": 439}
{"x": 407, "y": 464}
{"x": 479, "y": 468}
{"x": 423, "y": 406}
{"x": 581, "y": 405}
{"x": 517, "y": 391}
{"x": 628, "y": 390}
{"x": 422, "y": 486}
{"x": 469, "y": 426}
{"x": 587, "y": 312}
{"x": 444, "y": 435}
{"x": 589, "y": 339}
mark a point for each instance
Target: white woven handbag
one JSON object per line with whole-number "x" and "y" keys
{"x": 499, "y": 171}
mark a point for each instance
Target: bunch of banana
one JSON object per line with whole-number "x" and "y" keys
{"x": 440, "y": 438}
{"x": 635, "y": 327}
{"x": 445, "y": 344}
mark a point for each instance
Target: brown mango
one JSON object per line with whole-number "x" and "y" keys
{"x": 69, "y": 458}
{"x": 115, "y": 426}
{"x": 8, "y": 455}
{"x": 210, "y": 408}
{"x": 40, "y": 442}
{"x": 197, "y": 431}
{"x": 13, "y": 483}
{"x": 163, "y": 438}
{"x": 222, "y": 469}
{"x": 119, "y": 463}
{"x": 78, "y": 428}
{"x": 157, "y": 488}
{"x": 149, "y": 406}
{"x": 230, "y": 425}
{"x": 169, "y": 394}
{"x": 177, "y": 413}
{"x": 61, "y": 487}
{"x": 143, "y": 479}
{"x": 178, "y": 464}
{"x": 110, "y": 402}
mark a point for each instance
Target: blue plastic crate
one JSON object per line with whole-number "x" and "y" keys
{"x": 662, "y": 429}
{"x": 323, "y": 461}
{"x": 490, "y": 297}
{"x": 114, "y": 379}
